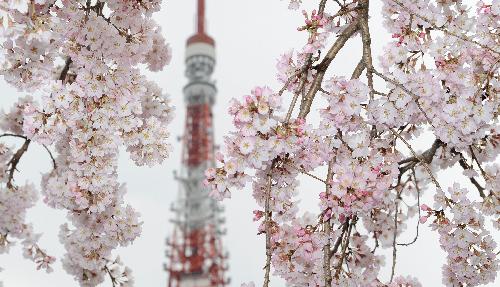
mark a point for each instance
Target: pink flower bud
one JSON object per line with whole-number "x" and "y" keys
{"x": 424, "y": 207}
{"x": 423, "y": 219}
{"x": 257, "y": 214}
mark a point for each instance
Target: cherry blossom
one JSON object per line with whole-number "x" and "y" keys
{"x": 82, "y": 58}
{"x": 438, "y": 85}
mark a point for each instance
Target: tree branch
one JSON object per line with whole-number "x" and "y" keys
{"x": 327, "y": 230}
{"x": 463, "y": 163}
{"x": 344, "y": 248}
{"x": 14, "y": 161}
{"x": 394, "y": 250}
{"x": 267, "y": 218}
{"x": 345, "y": 227}
{"x": 360, "y": 67}
{"x": 323, "y": 66}
{"x": 427, "y": 157}
{"x": 424, "y": 164}
{"x": 65, "y": 70}
{"x": 366, "y": 40}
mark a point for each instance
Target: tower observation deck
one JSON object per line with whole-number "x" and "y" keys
{"x": 196, "y": 257}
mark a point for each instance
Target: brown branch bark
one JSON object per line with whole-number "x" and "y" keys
{"x": 360, "y": 67}
{"x": 345, "y": 227}
{"x": 463, "y": 163}
{"x": 14, "y": 161}
{"x": 424, "y": 164}
{"x": 323, "y": 66}
{"x": 65, "y": 70}
{"x": 366, "y": 40}
{"x": 427, "y": 157}
{"x": 338, "y": 268}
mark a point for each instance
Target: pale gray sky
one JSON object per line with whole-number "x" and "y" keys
{"x": 250, "y": 36}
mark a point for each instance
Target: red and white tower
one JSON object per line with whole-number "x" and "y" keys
{"x": 195, "y": 254}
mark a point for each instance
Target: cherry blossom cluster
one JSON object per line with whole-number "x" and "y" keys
{"x": 451, "y": 77}
{"x": 439, "y": 78}
{"x": 297, "y": 250}
{"x": 16, "y": 200}
{"x": 15, "y": 203}
{"x": 83, "y": 58}
{"x": 360, "y": 185}
{"x": 261, "y": 137}
{"x": 343, "y": 113}
{"x": 471, "y": 258}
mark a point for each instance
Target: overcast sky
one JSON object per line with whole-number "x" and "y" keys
{"x": 250, "y": 35}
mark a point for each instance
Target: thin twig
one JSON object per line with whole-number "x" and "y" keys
{"x": 113, "y": 279}
{"x": 418, "y": 206}
{"x": 422, "y": 161}
{"x": 463, "y": 163}
{"x": 483, "y": 173}
{"x": 336, "y": 246}
{"x": 54, "y": 165}
{"x": 288, "y": 82}
{"x": 327, "y": 229}
{"x": 268, "y": 231}
{"x": 303, "y": 171}
{"x": 13, "y": 135}
{"x": 394, "y": 250}
{"x": 302, "y": 83}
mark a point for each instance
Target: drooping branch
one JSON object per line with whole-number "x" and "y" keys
{"x": 113, "y": 279}
{"x": 54, "y": 164}
{"x": 395, "y": 235}
{"x": 12, "y": 135}
{"x": 267, "y": 218}
{"x": 302, "y": 82}
{"x": 327, "y": 230}
{"x": 338, "y": 268}
{"x": 474, "y": 157}
{"x": 303, "y": 171}
{"x": 418, "y": 206}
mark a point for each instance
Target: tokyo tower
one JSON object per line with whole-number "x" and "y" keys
{"x": 196, "y": 257}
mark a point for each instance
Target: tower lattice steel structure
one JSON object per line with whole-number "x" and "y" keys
{"x": 196, "y": 257}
